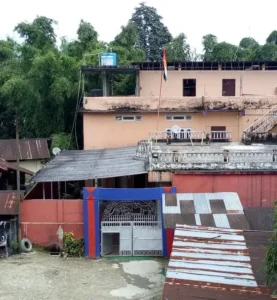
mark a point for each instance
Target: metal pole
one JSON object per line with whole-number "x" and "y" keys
{"x": 18, "y": 175}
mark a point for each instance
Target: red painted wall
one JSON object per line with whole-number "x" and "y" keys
{"x": 254, "y": 190}
{"x": 40, "y": 219}
{"x": 169, "y": 240}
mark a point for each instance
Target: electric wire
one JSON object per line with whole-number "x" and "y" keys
{"x": 76, "y": 110}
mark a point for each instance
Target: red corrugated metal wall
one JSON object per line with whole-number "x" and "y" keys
{"x": 40, "y": 219}
{"x": 254, "y": 190}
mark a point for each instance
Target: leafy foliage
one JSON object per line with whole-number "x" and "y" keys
{"x": 178, "y": 49}
{"x": 272, "y": 38}
{"x": 153, "y": 34}
{"x": 62, "y": 141}
{"x": 271, "y": 255}
{"x": 40, "y": 82}
{"x": 72, "y": 246}
{"x": 40, "y": 33}
{"x": 247, "y": 43}
{"x": 209, "y": 42}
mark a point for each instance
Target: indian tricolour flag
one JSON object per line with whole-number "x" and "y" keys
{"x": 165, "y": 65}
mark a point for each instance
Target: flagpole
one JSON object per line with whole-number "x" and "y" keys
{"x": 159, "y": 103}
{"x": 163, "y": 66}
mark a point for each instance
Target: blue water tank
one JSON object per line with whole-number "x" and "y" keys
{"x": 108, "y": 59}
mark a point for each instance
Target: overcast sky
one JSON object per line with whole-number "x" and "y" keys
{"x": 228, "y": 20}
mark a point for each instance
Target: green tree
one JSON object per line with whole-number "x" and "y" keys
{"x": 62, "y": 141}
{"x": 178, "y": 49}
{"x": 224, "y": 52}
{"x": 128, "y": 37}
{"x": 267, "y": 52}
{"x": 87, "y": 42}
{"x": 209, "y": 41}
{"x": 39, "y": 33}
{"x": 248, "y": 42}
{"x": 153, "y": 34}
{"x": 271, "y": 254}
{"x": 126, "y": 45}
{"x": 272, "y": 38}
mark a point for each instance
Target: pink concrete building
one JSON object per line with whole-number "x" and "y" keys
{"x": 197, "y": 97}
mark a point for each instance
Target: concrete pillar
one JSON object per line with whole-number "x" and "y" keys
{"x": 137, "y": 85}
{"x": 124, "y": 182}
{"x": 105, "y": 81}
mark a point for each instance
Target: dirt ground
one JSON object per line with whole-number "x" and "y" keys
{"x": 40, "y": 276}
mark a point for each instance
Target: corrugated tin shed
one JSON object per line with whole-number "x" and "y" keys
{"x": 74, "y": 165}
{"x": 210, "y": 263}
{"x": 5, "y": 165}
{"x": 207, "y": 209}
{"x": 28, "y": 149}
{"x": 8, "y": 203}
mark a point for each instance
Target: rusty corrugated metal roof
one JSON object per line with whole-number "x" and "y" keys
{"x": 8, "y": 203}
{"x": 206, "y": 209}
{"x": 213, "y": 259}
{"x": 5, "y": 165}
{"x": 28, "y": 149}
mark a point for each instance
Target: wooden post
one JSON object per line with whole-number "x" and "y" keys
{"x": 18, "y": 176}
{"x": 43, "y": 191}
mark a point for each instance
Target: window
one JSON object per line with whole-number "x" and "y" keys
{"x": 189, "y": 87}
{"x": 128, "y": 118}
{"x": 178, "y": 118}
{"x": 228, "y": 87}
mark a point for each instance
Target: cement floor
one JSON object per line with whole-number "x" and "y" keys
{"x": 41, "y": 276}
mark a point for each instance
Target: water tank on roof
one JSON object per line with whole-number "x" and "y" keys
{"x": 108, "y": 59}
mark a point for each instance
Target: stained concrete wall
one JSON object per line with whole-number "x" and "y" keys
{"x": 112, "y": 133}
{"x": 208, "y": 83}
{"x": 40, "y": 219}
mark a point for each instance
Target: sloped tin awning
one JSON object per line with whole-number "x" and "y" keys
{"x": 28, "y": 149}
{"x": 71, "y": 165}
{"x": 8, "y": 203}
{"x": 5, "y": 165}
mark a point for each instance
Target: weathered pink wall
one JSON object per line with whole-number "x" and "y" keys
{"x": 103, "y": 131}
{"x": 254, "y": 190}
{"x": 208, "y": 83}
{"x": 40, "y": 219}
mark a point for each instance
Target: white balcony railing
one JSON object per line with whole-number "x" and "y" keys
{"x": 191, "y": 135}
{"x": 165, "y": 158}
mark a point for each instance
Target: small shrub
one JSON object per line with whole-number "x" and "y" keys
{"x": 72, "y": 246}
{"x": 15, "y": 247}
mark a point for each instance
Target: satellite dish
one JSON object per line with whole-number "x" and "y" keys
{"x": 56, "y": 151}
{"x": 176, "y": 129}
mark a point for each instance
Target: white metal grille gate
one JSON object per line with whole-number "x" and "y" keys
{"x": 138, "y": 238}
{"x": 138, "y": 225}
{"x": 125, "y": 237}
{"x": 147, "y": 239}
